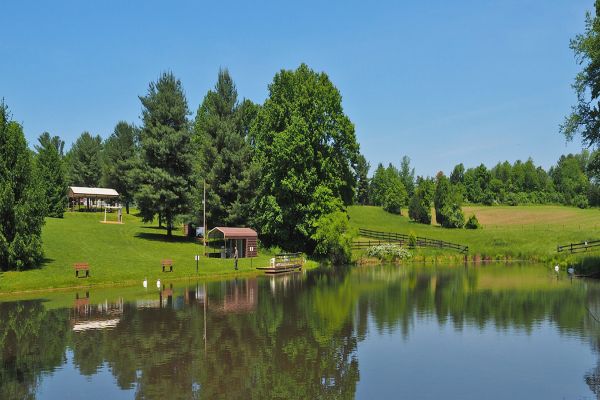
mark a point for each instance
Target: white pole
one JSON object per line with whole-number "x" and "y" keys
{"x": 204, "y": 204}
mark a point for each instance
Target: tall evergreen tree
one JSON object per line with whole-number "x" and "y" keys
{"x": 84, "y": 161}
{"x": 225, "y": 162}
{"x": 362, "y": 180}
{"x": 51, "y": 172}
{"x": 307, "y": 152}
{"x": 21, "y": 211}
{"x": 165, "y": 177}
{"x": 407, "y": 175}
{"x": 120, "y": 161}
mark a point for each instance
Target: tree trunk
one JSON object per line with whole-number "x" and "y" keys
{"x": 159, "y": 220}
{"x": 169, "y": 221}
{"x": 127, "y": 207}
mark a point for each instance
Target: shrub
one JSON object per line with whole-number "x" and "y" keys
{"x": 412, "y": 240}
{"x": 453, "y": 216}
{"x": 390, "y": 251}
{"x": 472, "y": 223}
{"x": 333, "y": 238}
{"x": 580, "y": 201}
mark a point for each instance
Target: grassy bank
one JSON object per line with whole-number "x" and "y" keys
{"x": 523, "y": 232}
{"x": 118, "y": 255}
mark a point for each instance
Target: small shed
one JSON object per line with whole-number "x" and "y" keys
{"x": 223, "y": 240}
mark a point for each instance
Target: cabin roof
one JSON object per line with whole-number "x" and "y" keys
{"x": 233, "y": 233}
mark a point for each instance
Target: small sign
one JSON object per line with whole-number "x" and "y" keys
{"x": 197, "y": 258}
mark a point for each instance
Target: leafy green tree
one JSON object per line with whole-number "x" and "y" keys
{"x": 458, "y": 174}
{"x": 394, "y": 197}
{"x": 225, "y": 162}
{"x": 585, "y": 115}
{"x": 407, "y": 175}
{"x": 121, "y": 160}
{"x": 165, "y": 178}
{"x": 440, "y": 197}
{"x": 307, "y": 152}
{"x": 362, "y": 180}
{"x": 21, "y": 211}
{"x": 378, "y": 185}
{"x": 50, "y": 170}
{"x": 419, "y": 207}
{"x": 570, "y": 179}
{"x": 333, "y": 237}
{"x": 447, "y": 202}
{"x": 84, "y": 161}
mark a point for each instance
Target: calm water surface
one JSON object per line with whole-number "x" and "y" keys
{"x": 416, "y": 332}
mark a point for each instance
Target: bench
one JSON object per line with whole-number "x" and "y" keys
{"x": 167, "y": 263}
{"x": 81, "y": 267}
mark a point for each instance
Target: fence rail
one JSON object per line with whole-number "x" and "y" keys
{"x": 581, "y": 247}
{"x": 403, "y": 239}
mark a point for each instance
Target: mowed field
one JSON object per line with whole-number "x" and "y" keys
{"x": 522, "y": 232}
{"x": 118, "y": 255}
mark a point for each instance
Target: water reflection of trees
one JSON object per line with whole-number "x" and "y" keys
{"x": 286, "y": 338}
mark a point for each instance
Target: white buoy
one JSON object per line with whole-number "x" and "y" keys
{"x": 145, "y": 283}
{"x": 556, "y": 268}
{"x": 571, "y": 270}
{"x": 158, "y": 283}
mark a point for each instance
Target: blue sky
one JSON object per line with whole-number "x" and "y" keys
{"x": 442, "y": 82}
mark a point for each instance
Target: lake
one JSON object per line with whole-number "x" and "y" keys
{"x": 416, "y": 332}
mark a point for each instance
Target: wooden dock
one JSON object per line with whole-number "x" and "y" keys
{"x": 285, "y": 262}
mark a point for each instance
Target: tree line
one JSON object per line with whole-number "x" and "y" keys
{"x": 286, "y": 167}
{"x": 573, "y": 181}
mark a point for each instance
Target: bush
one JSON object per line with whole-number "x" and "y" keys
{"x": 472, "y": 223}
{"x": 581, "y": 201}
{"x": 412, "y": 240}
{"x": 453, "y": 216}
{"x": 390, "y": 251}
{"x": 333, "y": 238}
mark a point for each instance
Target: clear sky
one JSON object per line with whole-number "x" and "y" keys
{"x": 440, "y": 81}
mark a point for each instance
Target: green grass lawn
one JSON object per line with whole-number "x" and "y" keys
{"x": 118, "y": 255}
{"x": 523, "y": 232}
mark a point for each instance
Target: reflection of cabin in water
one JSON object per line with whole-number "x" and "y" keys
{"x": 85, "y": 316}
{"x": 239, "y": 296}
{"x": 222, "y": 240}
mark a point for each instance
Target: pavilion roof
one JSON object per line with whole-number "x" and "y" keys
{"x": 78, "y": 191}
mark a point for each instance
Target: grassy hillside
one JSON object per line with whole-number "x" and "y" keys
{"x": 524, "y": 232}
{"x": 117, "y": 254}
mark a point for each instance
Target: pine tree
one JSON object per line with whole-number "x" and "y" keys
{"x": 84, "y": 161}
{"x": 362, "y": 180}
{"x": 165, "y": 177}
{"x": 51, "y": 172}
{"x": 120, "y": 160}
{"x": 225, "y": 156}
{"x": 21, "y": 205}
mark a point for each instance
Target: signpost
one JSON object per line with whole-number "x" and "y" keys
{"x": 197, "y": 258}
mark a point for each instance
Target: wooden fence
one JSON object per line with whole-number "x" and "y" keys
{"x": 581, "y": 247}
{"x": 403, "y": 239}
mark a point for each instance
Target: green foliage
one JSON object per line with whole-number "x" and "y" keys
{"x": 121, "y": 158}
{"x": 84, "y": 161}
{"x": 472, "y": 223}
{"x": 225, "y": 156}
{"x": 388, "y": 190}
{"x": 419, "y": 207}
{"x": 50, "y": 170}
{"x": 333, "y": 238}
{"x": 306, "y": 151}
{"x": 448, "y": 203}
{"x": 407, "y": 176}
{"x": 165, "y": 177}
{"x": 585, "y": 115}
{"x": 569, "y": 177}
{"x": 21, "y": 211}
{"x": 389, "y": 251}
{"x": 412, "y": 240}
{"x": 362, "y": 180}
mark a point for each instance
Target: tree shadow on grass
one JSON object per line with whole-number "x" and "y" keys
{"x": 161, "y": 237}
